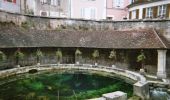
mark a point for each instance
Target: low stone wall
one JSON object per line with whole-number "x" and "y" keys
{"x": 44, "y": 23}
{"x": 86, "y": 67}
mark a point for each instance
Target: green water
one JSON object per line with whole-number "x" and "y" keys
{"x": 51, "y": 86}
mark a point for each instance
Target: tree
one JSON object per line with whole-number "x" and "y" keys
{"x": 39, "y": 54}
{"x": 78, "y": 53}
{"x": 141, "y": 58}
{"x": 2, "y": 56}
{"x": 18, "y": 56}
{"x": 59, "y": 55}
{"x": 95, "y": 55}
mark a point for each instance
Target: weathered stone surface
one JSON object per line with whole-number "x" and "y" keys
{"x": 142, "y": 90}
{"x": 101, "y": 98}
{"x": 44, "y": 23}
{"x": 115, "y": 96}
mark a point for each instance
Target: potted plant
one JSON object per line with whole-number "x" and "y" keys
{"x": 18, "y": 56}
{"x": 95, "y": 55}
{"x": 78, "y": 54}
{"x": 39, "y": 55}
{"x": 112, "y": 56}
{"x": 2, "y": 57}
{"x": 59, "y": 56}
{"x": 141, "y": 58}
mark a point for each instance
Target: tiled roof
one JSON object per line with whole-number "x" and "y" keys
{"x": 125, "y": 39}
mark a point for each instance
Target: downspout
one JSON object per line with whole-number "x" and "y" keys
{"x": 70, "y": 8}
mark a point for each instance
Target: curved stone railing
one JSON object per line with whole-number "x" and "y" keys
{"x": 129, "y": 74}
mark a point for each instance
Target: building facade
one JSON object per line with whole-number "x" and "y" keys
{"x": 10, "y": 5}
{"x": 149, "y": 9}
{"x": 117, "y": 9}
{"x": 88, "y": 9}
{"x": 52, "y": 8}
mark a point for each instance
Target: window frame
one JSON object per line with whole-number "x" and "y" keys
{"x": 149, "y": 12}
{"x": 162, "y": 10}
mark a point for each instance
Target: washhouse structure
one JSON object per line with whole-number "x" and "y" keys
{"x": 27, "y": 34}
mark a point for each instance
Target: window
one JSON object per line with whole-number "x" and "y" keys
{"x": 59, "y": 2}
{"x": 162, "y": 10}
{"x": 43, "y": 1}
{"x": 13, "y": 1}
{"x": 149, "y": 12}
{"x": 118, "y": 3}
{"x": 44, "y": 13}
{"x": 134, "y": 14}
{"x": 109, "y": 18}
{"x": 54, "y": 2}
{"x": 88, "y": 13}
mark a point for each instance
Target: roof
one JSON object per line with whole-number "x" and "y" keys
{"x": 13, "y": 37}
{"x": 136, "y": 3}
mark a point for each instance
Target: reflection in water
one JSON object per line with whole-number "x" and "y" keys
{"x": 51, "y": 86}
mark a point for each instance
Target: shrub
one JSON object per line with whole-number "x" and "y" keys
{"x": 112, "y": 54}
{"x": 18, "y": 56}
{"x": 59, "y": 55}
{"x": 95, "y": 54}
{"x": 78, "y": 52}
{"x": 39, "y": 54}
{"x": 2, "y": 56}
{"x": 141, "y": 58}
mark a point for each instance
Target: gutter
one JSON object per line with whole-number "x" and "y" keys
{"x": 159, "y": 38}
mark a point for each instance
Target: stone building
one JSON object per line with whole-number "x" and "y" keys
{"x": 52, "y": 8}
{"x": 127, "y": 38}
{"x": 88, "y": 9}
{"x": 117, "y": 9}
{"x": 149, "y": 9}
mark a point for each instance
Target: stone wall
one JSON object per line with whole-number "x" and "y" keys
{"x": 124, "y": 58}
{"x": 43, "y": 23}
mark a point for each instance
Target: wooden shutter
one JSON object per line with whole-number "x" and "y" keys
{"x": 155, "y": 11}
{"x": 168, "y": 11}
{"x": 14, "y": 1}
{"x": 144, "y": 13}
{"x": 130, "y": 15}
{"x": 137, "y": 14}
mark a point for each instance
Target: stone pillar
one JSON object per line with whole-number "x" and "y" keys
{"x": 141, "y": 89}
{"x": 161, "y": 71}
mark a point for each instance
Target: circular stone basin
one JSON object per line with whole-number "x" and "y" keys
{"x": 65, "y": 86}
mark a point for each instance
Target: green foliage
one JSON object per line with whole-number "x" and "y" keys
{"x": 39, "y": 53}
{"x": 112, "y": 54}
{"x": 141, "y": 57}
{"x": 95, "y": 54}
{"x": 19, "y": 55}
{"x": 78, "y": 52}
{"x": 2, "y": 56}
{"x": 98, "y": 93}
{"x": 59, "y": 54}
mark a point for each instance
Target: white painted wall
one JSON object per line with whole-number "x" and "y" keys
{"x": 140, "y": 7}
{"x": 10, "y": 7}
{"x": 87, "y": 7}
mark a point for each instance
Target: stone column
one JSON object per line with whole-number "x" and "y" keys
{"x": 161, "y": 71}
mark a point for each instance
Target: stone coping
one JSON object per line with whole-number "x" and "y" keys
{"x": 81, "y": 19}
{"x": 128, "y": 74}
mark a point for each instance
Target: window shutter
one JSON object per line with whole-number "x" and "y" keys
{"x": 155, "y": 11}
{"x": 168, "y": 11}
{"x": 14, "y": 1}
{"x": 144, "y": 13}
{"x": 137, "y": 14}
{"x": 130, "y": 15}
